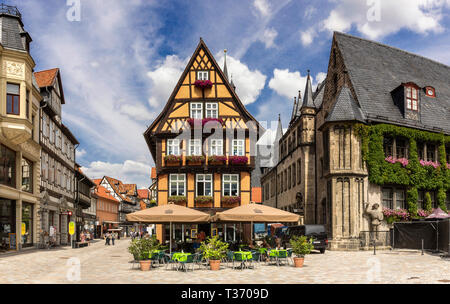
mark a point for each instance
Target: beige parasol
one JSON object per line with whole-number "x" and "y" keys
{"x": 256, "y": 213}
{"x": 168, "y": 214}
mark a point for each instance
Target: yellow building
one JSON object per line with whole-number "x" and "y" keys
{"x": 19, "y": 136}
{"x": 203, "y": 145}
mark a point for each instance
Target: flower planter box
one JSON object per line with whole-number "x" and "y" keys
{"x": 203, "y": 84}
{"x": 238, "y": 160}
{"x": 172, "y": 160}
{"x": 217, "y": 160}
{"x": 178, "y": 200}
{"x": 231, "y": 201}
{"x": 195, "y": 160}
{"x": 204, "y": 201}
{"x": 173, "y": 163}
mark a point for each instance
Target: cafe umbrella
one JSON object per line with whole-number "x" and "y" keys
{"x": 168, "y": 214}
{"x": 255, "y": 213}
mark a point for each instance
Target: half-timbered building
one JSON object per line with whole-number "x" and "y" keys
{"x": 203, "y": 144}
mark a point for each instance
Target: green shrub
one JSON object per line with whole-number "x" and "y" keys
{"x": 301, "y": 246}
{"x": 213, "y": 248}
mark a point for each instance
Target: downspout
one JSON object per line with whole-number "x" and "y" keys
{"x": 315, "y": 170}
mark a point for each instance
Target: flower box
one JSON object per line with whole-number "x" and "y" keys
{"x": 237, "y": 160}
{"x": 197, "y": 122}
{"x": 173, "y": 160}
{"x": 424, "y": 163}
{"x": 178, "y": 200}
{"x": 204, "y": 201}
{"x": 216, "y": 160}
{"x": 231, "y": 201}
{"x": 194, "y": 160}
{"x": 392, "y": 160}
{"x": 203, "y": 84}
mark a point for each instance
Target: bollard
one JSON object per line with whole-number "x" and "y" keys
{"x": 422, "y": 246}
{"x": 374, "y": 247}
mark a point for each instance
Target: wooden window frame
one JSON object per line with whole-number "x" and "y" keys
{"x": 216, "y": 110}
{"x": 196, "y": 109}
{"x": 171, "y": 144}
{"x": 239, "y": 143}
{"x": 204, "y": 73}
{"x": 231, "y": 182}
{"x": 13, "y": 112}
{"x": 177, "y": 182}
{"x": 204, "y": 181}
{"x": 410, "y": 99}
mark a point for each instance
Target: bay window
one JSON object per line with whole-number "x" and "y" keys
{"x": 12, "y": 99}
{"x": 7, "y": 166}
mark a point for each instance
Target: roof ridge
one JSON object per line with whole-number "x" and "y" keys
{"x": 391, "y": 47}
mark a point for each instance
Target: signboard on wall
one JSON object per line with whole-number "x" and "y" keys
{"x": 12, "y": 241}
{"x": 72, "y": 228}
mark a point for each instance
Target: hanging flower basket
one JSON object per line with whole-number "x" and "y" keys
{"x": 238, "y": 160}
{"x": 173, "y": 160}
{"x": 203, "y": 84}
{"x": 195, "y": 160}
{"x": 216, "y": 160}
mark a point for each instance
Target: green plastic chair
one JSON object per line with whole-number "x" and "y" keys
{"x": 189, "y": 261}
{"x": 256, "y": 258}
{"x": 230, "y": 258}
{"x": 282, "y": 255}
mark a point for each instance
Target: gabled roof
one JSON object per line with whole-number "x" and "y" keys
{"x": 47, "y": 78}
{"x": 376, "y": 69}
{"x": 345, "y": 108}
{"x": 165, "y": 111}
{"x": 143, "y": 193}
{"x": 318, "y": 95}
{"x": 102, "y": 192}
{"x": 118, "y": 188}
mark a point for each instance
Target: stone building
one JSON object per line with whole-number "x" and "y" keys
{"x": 376, "y": 131}
{"x": 83, "y": 199}
{"x": 19, "y": 136}
{"x": 57, "y": 159}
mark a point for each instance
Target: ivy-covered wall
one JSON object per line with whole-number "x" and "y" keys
{"x": 413, "y": 175}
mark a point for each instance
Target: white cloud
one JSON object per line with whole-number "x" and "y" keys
{"x": 287, "y": 84}
{"x": 103, "y": 70}
{"x": 307, "y": 36}
{"x": 249, "y": 83}
{"x": 380, "y": 18}
{"x": 80, "y": 153}
{"x": 164, "y": 78}
{"x": 268, "y": 37}
{"x": 129, "y": 172}
{"x": 263, "y": 7}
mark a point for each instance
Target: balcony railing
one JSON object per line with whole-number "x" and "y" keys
{"x": 10, "y": 10}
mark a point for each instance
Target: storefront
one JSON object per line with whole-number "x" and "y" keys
{"x": 27, "y": 225}
{"x": 7, "y": 224}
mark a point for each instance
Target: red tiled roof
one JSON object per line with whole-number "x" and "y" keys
{"x": 97, "y": 181}
{"x": 46, "y": 78}
{"x": 101, "y": 192}
{"x": 143, "y": 193}
{"x": 118, "y": 187}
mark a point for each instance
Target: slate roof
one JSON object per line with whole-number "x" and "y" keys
{"x": 308, "y": 98}
{"x": 345, "y": 108}
{"x": 11, "y": 30}
{"x": 376, "y": 70}
{"x": 318, "y": 95}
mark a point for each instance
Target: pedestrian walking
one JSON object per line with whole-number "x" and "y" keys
{"x": 113, "y": 237}
{"x": 107, "y": 238}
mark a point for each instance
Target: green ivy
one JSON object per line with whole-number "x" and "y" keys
{"x": 428, "y": 204}
{"x": 414, "y": 176}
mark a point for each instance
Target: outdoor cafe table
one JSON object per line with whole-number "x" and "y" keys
{"x": 180, "y": 257}
{"x": 245, "y": 255}
{"x": 275, "y": 253}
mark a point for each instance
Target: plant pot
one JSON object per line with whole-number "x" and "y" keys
{"x": 214, "y": 264}
{"x": 173, "y": 163}
{"x": 195, "y": 163}
{"x": 298, "y": 262}
{"x": 145, "y": 265}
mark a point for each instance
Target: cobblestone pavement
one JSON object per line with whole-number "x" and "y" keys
{"x": 111, "y": 264}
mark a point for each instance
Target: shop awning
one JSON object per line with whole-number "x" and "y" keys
{"x": 257, "y": 214}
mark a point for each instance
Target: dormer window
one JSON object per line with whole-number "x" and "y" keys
{"x": 412, "y": 98}
{"x": 430, "y": 91}
{"x": 202, "y": 75}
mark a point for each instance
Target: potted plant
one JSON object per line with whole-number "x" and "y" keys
{"x": 217, "y": 160}
{"x": 172, "y": 160}
{"x": 301, "y": 247}
{"x": 238, "y": 160}
{"x": 203, "y": 200}
{"x": 214, "y": 250}
{"x": 178, "y": 200}
{"x": 141, "y": 250}
{"x": 195, "y": 160}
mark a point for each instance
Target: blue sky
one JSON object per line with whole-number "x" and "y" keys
{"x": 121, "y": 59}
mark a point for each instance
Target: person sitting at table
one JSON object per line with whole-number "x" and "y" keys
{"x": 251, "y": 245}
{"x": 278, "y": 243}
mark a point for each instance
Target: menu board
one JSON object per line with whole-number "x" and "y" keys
{"x": 12, "y": 241}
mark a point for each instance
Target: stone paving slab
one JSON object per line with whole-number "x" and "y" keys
{"x": 111, "y": 265}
